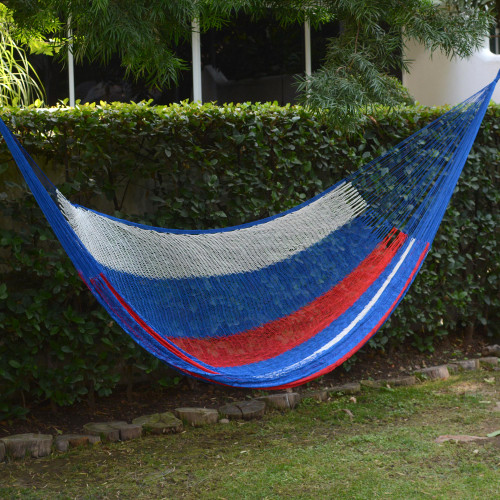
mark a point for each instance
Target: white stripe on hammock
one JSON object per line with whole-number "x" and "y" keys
{"x": 156, "y": 255}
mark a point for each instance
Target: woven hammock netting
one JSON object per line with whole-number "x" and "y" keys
{"x": 277, "y": 302}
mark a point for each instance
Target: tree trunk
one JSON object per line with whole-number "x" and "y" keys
{"x": 91, "y": 397}
{"x": 469, "y": 335}
{"x": 130, "y": 384}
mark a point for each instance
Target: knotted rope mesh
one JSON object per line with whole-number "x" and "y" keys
{"x": 276, "y": 302}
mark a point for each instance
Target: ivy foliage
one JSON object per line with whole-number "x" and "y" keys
{"x": 194, "y": 166}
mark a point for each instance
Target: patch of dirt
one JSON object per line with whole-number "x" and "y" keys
{"x": 487, "y": 389}
{"x": 151, "y": 398}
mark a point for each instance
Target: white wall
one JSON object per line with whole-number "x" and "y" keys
{"x": 436, "y": 81}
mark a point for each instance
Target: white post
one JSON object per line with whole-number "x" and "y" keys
{"x": 71, "y": 67}
{"x": 307, "y": 45}
{"x": 196, "y": 51}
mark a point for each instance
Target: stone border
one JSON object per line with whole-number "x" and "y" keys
{"x": 33, "y": 445}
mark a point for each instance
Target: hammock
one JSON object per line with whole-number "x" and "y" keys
{"x": 277, "y": 302}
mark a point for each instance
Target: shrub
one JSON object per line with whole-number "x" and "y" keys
{"x": 194, "y": 166}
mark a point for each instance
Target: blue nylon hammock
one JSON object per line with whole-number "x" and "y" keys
{"x": 277, "y": 302}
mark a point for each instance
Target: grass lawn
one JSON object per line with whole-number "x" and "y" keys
{"x": 385, "y": 449}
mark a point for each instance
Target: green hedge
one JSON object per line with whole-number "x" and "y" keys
{"x": 192, "y": 166}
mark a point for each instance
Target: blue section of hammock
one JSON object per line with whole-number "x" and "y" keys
{"x": 224, "y": 305}
{"x": 277, "y": 371}
{"x": 279, "y": 366}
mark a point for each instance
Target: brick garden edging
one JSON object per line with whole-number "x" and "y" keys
{"x": 39, "y": 445}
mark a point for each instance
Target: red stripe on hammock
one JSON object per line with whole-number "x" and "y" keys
{"x": 364, "y": 340}
{"x": 281, "y": 335}
{"x": 164, "y": 342}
